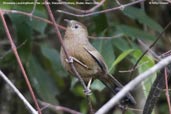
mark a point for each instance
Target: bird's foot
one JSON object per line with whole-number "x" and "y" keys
{"x": 70, "y": 59}
{"x": 87, "y": 91}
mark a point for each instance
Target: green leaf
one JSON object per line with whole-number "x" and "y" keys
{"x": 38, "y": 25}
{"x": 106, "y": 50}
{"x": 53, "y": 57}
{"x": 134, "y": 32}
{"x": 121, "y": 44}
{"x": 145, "y": 63}
{"x": 6, "y": 57}
{"x": 100, "y": 23}
{"x": 122, "y": 56}
{"x": 97, "y": 85}
{"x": 24, "y": 35}
{"x": 5, "y": 5}
{"x": 41, "y": 81}
{"x": 140, "y": 15}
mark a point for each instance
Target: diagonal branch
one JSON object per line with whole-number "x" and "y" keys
{"x": 103, "y": 11}
{"x": 18, "y": 93}
{"x": 155, "y": 92}
{"x": 58, "y": 108}
{"x": 19, "y": 61}
{"x": 62, "y": 45}
{"x": 132, "y": 84}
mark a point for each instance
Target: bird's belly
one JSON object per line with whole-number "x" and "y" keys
{"x": 91, "y": 68}
{"x": 87, "y": 73}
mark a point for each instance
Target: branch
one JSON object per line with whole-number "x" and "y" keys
{"x": 167, "y": 88}
{"x": 155, "y": 92}
{"x": 132, "y": 84}
{"x": 103, "y": 11}
{"x": 147, "y": 50}
{"x": 19, "y": 60}
{"x": 58, "y": 108}
{"x": 28, "y": 105}
{"x": 87, "y": 91}
{"x": 31, "y": 16}
{"x": 86, "y": 11}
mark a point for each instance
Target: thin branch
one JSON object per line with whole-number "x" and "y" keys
{"x": 106, "y": 38}
{"x": 85, "y": 11}
{"x": 28, "y": 105}
{"x": 149, "y": 50}
{"x": 87, "y": 91}
{"x": 132, "y": 84}
{"x": 167, "y": 92}
{"x": 157, "y": 39}
{"x": 19, "y": 60}
{"x": 33, "y": 16}
{"x": 103, "y": 11}
{"x": 58, "y": 108}
{"x": 97, "y": 6}
{"x": 155, "y": 92}
{"x": 34, "y": 7}
{"x": 60, "y": 26}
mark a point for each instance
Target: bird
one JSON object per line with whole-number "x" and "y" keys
{"x": 88, "y": 62}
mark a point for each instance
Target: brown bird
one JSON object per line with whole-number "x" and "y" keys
{"x": 87, "y": 60}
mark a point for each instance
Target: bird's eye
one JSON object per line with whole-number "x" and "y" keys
{"x": 75, "y": 26}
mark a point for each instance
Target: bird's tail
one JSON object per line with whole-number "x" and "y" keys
{"x": 114, "y": 85}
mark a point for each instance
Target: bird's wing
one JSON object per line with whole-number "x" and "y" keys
{"x": 97, "y": 57}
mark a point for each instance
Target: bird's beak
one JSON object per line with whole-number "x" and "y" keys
{"x": 68, "y": 21}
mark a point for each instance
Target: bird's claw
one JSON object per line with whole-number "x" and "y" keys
{"x": 87, "y": 91}
{"x": 70, "y": 59}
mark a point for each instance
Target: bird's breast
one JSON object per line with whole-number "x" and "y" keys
{"x": 87, "y": 68}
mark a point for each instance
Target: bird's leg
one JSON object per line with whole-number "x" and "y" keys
{"x": 88, "y": 87}
{"x": 73, "y": 59}
{"x": 70, "y": 59}
{"x": 89, "y": 83}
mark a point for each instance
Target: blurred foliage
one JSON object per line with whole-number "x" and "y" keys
{"x": 39, "y": 48}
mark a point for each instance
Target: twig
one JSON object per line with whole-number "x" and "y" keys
{"x": 157, "y": 39}
{"x": 167, "y": 92}
{"x": 155, "y": 92}
{"x": 61, "y": 42}
{"x": 149, "y": 49}
{"x": 85, "y": 11}
{"x": 103, "y": 11}
{"x": 58, "y": 108}
{"x": 106, "y": 38}
{"x": 33, "y": 16}
{"x": 28, "y": 105}
{"x": 91, "y": 111}
{"x": 132, "y": 84}
{"x": 34, "y": 7}
{"x": 19, "y": 60}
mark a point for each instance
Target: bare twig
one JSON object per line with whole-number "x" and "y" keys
{"x": 157, "y": 39}
{"x": 97, "y": 6}
{"x": 85, "y": 11}
{"x": 155, "y": 92}
{"x": 91, "y": 111}
{"x": 132, "y": 84}
{"x": 106, "y": 38}
{"x": 167, "y": 92}
{"x": 61, "y": 42}
{"x": 58, "y": 108}
{"x": 150, "y": 50}
{"x": 28, "y": 105}
{"x": 19, "y": 60}
{"x": 103, "y": 11}
{"x": 33, "y": 16}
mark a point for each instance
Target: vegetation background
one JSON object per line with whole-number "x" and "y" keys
{"x": 121, "y": 36}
